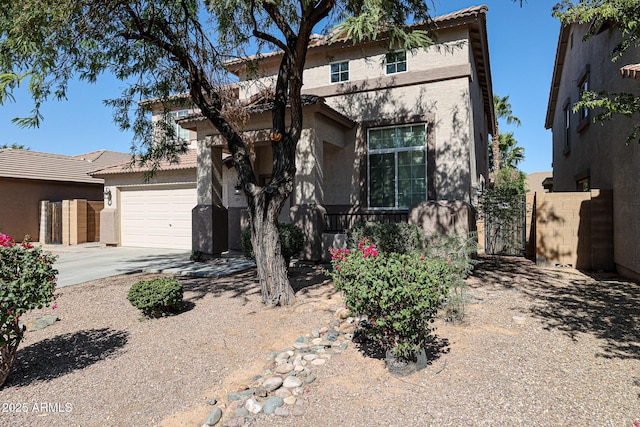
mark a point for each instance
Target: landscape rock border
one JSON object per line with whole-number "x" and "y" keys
{"x": 278, "y": 389}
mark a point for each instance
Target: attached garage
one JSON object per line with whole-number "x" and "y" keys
{"x": 157, "y": 216}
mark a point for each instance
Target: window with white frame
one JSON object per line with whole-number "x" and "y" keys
{"x": 180, "y": 132}
{"x": 340, "y": 72}
{"x": 396, "y": 62}
{"x": 397, "y": 160}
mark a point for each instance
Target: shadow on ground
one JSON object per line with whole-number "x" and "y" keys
{"x": 245, "y": 286}
{"x": 402, "y": 367}
{"x": 601, "y": 304}
{"x": 64, "y": 354}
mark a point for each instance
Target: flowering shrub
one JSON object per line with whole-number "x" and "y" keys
{"x": 27, "y": 281}
{"x": 399, "y": 293}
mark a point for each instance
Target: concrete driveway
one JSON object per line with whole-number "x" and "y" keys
{"x": 79, "y": 264}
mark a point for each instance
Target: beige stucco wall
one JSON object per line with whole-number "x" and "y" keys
{"x": 440, "y": 87}
{"x": 438, "y": 80}
{"x": 20, "y": 207}
{"x": 365, "y": 63}
{"x": 574, "y": 229}
{"x": 601, "y": 150}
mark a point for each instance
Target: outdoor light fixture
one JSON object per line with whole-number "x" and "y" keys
{"x": 107, "y": 195}
{"x": 236, "y": 189}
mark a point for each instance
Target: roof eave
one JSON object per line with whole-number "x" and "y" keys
{"x": 563, "y": 40}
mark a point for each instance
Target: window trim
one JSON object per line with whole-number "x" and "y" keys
{"x": 566, "y": 135}
{"x": 340, "y": 72}
{"x": 386, "y": 62}
{"x": 424, "y": 148}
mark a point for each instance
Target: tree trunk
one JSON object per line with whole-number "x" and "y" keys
{"x": 8, "y": 350}
{"x": 272, "y": 270}
{"x": 495, "y": 145}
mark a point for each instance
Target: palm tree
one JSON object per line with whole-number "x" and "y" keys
{"x": 502, "y": 108}
{"x": 510, "y": 153}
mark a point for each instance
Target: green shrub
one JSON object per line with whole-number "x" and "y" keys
{"x": 197, "y": 256}
{"x": 27, "y": 281}
{"x": 401, "y": 238}
{"x": 457, "y": 251}
{"x": 157, "y": 297}
{"x": 399, "y": 293}
{"x": 291, "y": 239}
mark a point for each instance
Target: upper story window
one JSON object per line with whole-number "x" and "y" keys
{"x": 340, "y": 72}
{"x": 583, "y": 86}
{"x": 396, "y": 62}
{"x": 567, "y": 127}
{"x": 397, "y": 166}
{"x": 180, "y": 132}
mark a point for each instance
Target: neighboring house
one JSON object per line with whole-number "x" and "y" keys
{"x": 154, "y": 213}
{"x": 29, "y": 177}
{"x": 589, "y": 155}
{"x": 383, "y": 131}
{"x": 539, "y": 182}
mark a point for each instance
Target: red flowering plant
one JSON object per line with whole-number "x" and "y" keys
{"x": 27, "y": 281}
{"x": 399, "y": 294}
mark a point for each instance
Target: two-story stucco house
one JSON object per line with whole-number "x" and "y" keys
{"x": 383, "y": 130}
{"x": 588, "y": 155}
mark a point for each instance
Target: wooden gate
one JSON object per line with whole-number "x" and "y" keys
{"x": 53, "y": 233}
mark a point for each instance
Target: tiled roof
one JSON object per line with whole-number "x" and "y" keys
{"x": 27, "y": 164}
{"x": 263, "y": 101}
{"x": 188, "y": 160}
{"x": 631, "y": 71}
{"x": 258, "y": 103}
{"x": 318, "y": 40}
{"x": 104, "y": 157}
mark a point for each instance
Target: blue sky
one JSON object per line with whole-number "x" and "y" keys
{"x": 522, "y": 45}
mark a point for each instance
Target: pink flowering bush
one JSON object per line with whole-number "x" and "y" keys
{"x": 27, "y": 281}
{"x": 399, "y": 293}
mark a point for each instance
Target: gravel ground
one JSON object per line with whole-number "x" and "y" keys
{"x": 539, "y": 347}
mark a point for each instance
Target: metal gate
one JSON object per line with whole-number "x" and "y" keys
{"x": 505, "y": 220}
{"x": 53, "y": 233}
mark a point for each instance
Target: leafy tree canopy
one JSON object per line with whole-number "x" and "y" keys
{"x": 510, "y": 153}
{"x": 504, "y": 151}
{"x": 14, "y": 146}
{"x": 157, "y": 47}
{"x": 161, "y": 48}
{"x": 624, "y": 15}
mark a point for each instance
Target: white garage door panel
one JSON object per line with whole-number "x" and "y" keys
{"x": 157, "y": 218}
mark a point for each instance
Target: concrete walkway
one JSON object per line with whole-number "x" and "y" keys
{"x": 82, "y": 263}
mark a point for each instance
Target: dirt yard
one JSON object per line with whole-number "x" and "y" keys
{"x": 539, "y": 347}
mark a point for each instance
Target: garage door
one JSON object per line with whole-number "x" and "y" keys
{"x": 159, "y": 217}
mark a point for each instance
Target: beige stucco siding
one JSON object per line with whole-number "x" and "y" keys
{"x": 600, "y": 150}
{"x": 366, "y": 64}
{"x": 454, "y": 135}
